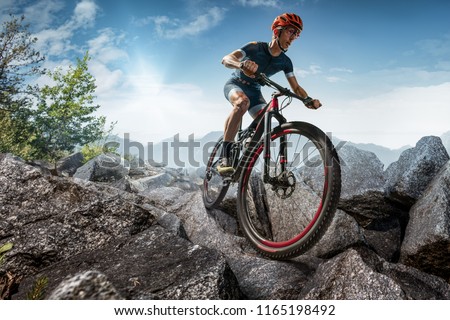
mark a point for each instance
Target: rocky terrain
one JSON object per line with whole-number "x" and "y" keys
{"x": 107, "y": 231}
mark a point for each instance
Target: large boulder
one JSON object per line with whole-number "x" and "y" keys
{"x": 265, "y": 279}
{"x": 67, "y": 166}
{"x": 361, "y": 171}
{"x": 408, "y": 178}
{"x": 427, "y": 239}
{"x": 362, "y": 275}
{"x": 343, "y": 233}
{"x": 205, "y": 228}
{"x": 51, "y": 218}
{"x": 363, "y": 197}
{"x": 103, "y": 168}
{"x": 379, "y": 222}
{"x": 154, "y": 264}
{"x": 87, "y": 285}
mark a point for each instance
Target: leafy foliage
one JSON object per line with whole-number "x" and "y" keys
{"x": 4, "y": 248}
{"x": 49, "y": 122}
{"x": 19, "y": 62}
{"x": 38, "y": 290}
{"x": 64, "y": 116}
{"x": 93, "y": 149}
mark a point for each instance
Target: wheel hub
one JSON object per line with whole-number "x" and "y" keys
{"x": 284, "y": 185}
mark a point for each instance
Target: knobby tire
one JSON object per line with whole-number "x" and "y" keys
{"x": 286, "y": 215}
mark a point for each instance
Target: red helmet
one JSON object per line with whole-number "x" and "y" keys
{"x": 287, "y": 19}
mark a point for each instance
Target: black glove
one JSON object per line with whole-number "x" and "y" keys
{"x": 309, "y": 102}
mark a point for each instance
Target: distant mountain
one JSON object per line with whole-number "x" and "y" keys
{"x": 173, "y": 152}
{"x": 386, "y": 155}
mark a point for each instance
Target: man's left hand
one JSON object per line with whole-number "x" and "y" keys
{"x": 312, "y": 103}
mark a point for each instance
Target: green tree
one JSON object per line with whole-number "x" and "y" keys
{"x": 19, "y": 63}
{"x": 65, "y": 113}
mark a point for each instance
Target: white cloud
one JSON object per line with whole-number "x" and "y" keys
{"x": 57, "y": 41}
{"x": 107, "y": 80}
{"x": 436, "y": 47}
{"x": 8, "y": 7}
{"x": 312, "y": 70}
{"x": 390, "y": 107}
{"x": 334, "y": 79}
{"x": 149, "y": 109}
{"x": 54, "y": 41}
{"x": 176, "y": 28}
{"x": 259, "y": 3}
{"x": 393, "y": 118}
{"x": 84, "y": 14}
{"x": 343, "y": 70}
{"x": 106, "y": 47}
{"x": 42, "y": 13}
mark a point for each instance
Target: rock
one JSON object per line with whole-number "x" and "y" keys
{"x": 384, "y": 236}
{"x": 427, "y": 240}
{"x": 172, "y": 223}
{"x": 68, "y": 166}
{"x": 154, "y": 264}
{"x": 416, "y": 284}
{"x": 103, "y": 168}
{"x": 362, "y": 275}
{"x": 343, "y": 233}
{"x": 147, "y": 184}
{"x": 262, "y": 279}
{"x": 348, "y": 277}
{"x": 105, "y": 239}
{"x": 408, "y": 178}
{"x": 46, "y": 168}
{"x": 363, "y": 198}
{"x": 361, "y": 171}
{"x": 201, "y": 227}
{"x": 52, "y": 218}
{"x": 89, "y": 285}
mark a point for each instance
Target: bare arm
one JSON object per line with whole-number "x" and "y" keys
{"x": 315, "y": 104}
{"x": 234, "y": 61}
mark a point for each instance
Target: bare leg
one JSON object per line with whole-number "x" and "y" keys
{"x": 240, "y": 104}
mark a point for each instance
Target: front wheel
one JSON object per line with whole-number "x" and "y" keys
{"x": 286, "y": 211}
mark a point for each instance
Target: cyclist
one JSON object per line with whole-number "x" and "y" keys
{"x": 244, "y": 92}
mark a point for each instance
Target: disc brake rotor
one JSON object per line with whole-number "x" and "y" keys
{"x": 284, "y": 185}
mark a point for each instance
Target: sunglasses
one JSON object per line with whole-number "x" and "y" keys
{"x": 293, "y": 33}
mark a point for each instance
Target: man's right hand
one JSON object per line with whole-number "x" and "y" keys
{"x": 249, "y": 68}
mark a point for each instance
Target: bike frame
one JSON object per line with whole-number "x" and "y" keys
{"x": 262, "y": 126}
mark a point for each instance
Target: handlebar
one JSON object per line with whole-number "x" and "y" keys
{"x": 264, "y": 80}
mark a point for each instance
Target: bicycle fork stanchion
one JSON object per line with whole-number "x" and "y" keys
{"x": 273, "y": 113}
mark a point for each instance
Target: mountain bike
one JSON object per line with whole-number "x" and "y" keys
{"x": 288, "y": 175}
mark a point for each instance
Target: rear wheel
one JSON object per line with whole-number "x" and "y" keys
{"x": 215, "y": 186}
{"x": 286, "y": 213}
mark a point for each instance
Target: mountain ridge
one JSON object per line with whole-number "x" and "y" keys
{"x": 191, "y": 153}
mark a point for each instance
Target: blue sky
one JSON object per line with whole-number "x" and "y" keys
{"x": 381, "y": 68}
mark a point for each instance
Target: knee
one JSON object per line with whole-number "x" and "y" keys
{"x": 241, "y": 105}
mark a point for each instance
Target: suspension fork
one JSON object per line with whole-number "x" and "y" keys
{"x": 274, "y": 112}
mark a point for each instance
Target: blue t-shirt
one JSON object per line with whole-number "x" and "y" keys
{"x": 259, "y": 53}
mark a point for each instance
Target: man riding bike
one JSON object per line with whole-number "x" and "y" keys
{"x": 243, "y": 91}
